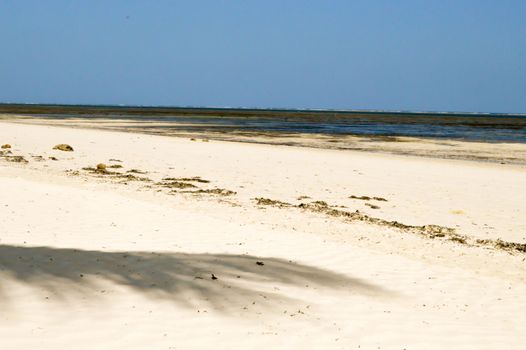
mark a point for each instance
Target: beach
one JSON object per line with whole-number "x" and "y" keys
{"x": 136, "y": 241}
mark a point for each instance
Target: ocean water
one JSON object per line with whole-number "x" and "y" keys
{"x": 462, "y": 126}
{"x": 487, "y": 128}
{"x": 510, "y": 131}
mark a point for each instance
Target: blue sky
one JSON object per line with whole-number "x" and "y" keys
{"x": 411, "y": 55}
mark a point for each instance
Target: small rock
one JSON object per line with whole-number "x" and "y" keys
{"x": 64, "y": 147}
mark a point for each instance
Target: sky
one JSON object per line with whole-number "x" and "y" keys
{"x": 441, "y": 55}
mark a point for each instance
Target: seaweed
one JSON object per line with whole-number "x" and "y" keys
{"x": 101, "y": 169}
{"x": 367, "y": 198}
{"x": 137, "y": 171}
{"x": 186, "y": 179}
{"x": 176, "y": 184}
{"x": 267, "y": 201}
{"x": 500, "y": 244}
{"x": 15, "y": 159}
{"x": 216, "y": 191}
{"x": 431, "y": 231}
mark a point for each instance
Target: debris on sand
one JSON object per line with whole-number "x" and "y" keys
{"x": 102, "y": 169}
{"x": 300, "y": 198}
{"x": 115, "y": 166}
{"x": 176, "y": 184}
{"x": 52, "y": 158}
{"x": 38, "y": 158}
{"x": 213, "y": 277}
{"x": 260, "y": 263}
{"x": 188, "y": 183}
{"x": 503, "y": 245}
{"x": 458, "y": 239}
{"x": 6, "y": 146}
{"x": 272, "y": 202}
{"x": 115, "y": 160}
{"x": 99, "y": 170}
{"x": 367, "y": 198}
{"x": 15, "y": 159}
{"x": 322, "y": 204}
{"x": 137, "y": 171}
{"x": 187, "y": 179}
{"x": 316, "y": 206}
{"x": 363, "y": 198}
{"x": 64, "y": 147}
{"x": 130, "y": 177}
{"x": 430, "y": 231}
{"x": 372, "y": 206}
{"x": 521, "y": 247}
{"x": 216, "y": 191}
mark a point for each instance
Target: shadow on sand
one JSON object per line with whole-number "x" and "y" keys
{"x": 178, "y": 277}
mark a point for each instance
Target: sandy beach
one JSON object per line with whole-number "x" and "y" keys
{"x": 135, "y": 241}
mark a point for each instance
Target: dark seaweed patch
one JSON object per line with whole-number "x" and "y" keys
{"x": 187, "y": 179}
{"x": 367, "y": 198}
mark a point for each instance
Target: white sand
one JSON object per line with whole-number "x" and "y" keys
{"x": 89, "y": 262}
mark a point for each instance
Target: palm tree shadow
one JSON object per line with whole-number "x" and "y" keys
{"x": 177, "y": 277}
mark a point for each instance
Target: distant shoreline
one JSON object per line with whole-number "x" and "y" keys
{"x": 273, "y": 122}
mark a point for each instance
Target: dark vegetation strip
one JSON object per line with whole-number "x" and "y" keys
{"x": 93, "y": 111}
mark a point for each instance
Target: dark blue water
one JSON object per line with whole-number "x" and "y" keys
{"x": 489, "y": 129}
{"x": 482, "y": 127}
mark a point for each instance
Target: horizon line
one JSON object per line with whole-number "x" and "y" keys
{"x": 277, "y": 109}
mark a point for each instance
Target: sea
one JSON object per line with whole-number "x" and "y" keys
{"x": 486, "y": 127}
